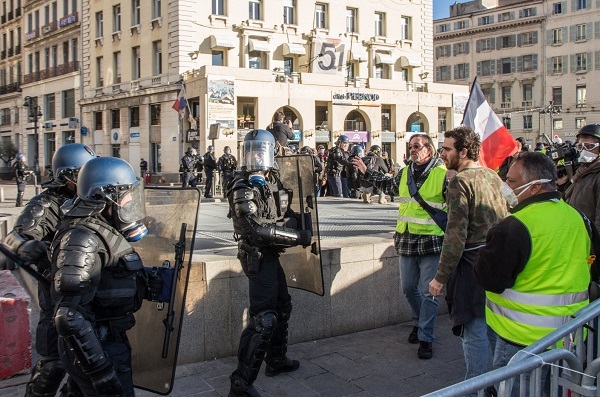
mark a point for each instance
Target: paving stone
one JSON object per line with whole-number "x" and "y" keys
{"x": 329, "y": 385}
{"x": 342, "y": 366}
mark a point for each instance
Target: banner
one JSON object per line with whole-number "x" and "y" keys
{"x": 221, "y": 102}
{"x": 329, "y": 55}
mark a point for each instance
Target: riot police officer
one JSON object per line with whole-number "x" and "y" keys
{"x": 264, "y": 226}
{"x": 188, "y": 165}
{"x": 33, "y": 231}
{"x": 22, "y": 172}
{"x": 92, "y": 260}
{"x": 226, "y": 165}
{"x": 336, "y": 173}
{"x": 210, "y": 165}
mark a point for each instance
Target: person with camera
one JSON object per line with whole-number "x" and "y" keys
{"x": 583, "y": 192}
{"x": 534, "y": 268}
{"x": 418, "y": 239}
{"x": 22, "y": 172}
{"x": 282, "y": 131}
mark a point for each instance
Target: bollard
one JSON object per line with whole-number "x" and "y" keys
{"x": 1, "y": 194}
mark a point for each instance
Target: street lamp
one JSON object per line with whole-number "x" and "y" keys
{"x": 33, "y": 114}
{"x": 551, "y": 110}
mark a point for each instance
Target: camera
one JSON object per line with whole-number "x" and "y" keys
{"x": 565, "y": 156}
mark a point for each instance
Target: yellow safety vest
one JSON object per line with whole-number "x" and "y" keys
{"x": 554, "y": 283}
{"x": 410, "y": 213}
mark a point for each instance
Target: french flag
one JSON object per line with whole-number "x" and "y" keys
{"x": 496, "y": 142}
{"x": 180, "y": 103}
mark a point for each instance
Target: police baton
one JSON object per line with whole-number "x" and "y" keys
{"x": 25, "y": 266}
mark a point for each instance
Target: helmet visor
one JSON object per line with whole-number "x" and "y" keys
{"x": 131, "y": 204}
{"x": 258, "y": 155}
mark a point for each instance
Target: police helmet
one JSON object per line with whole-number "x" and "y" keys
{"x": 191, "y": 151}
{"x": 357, "y": 150}
{"x": 343, "y": 139}
{"x": 375, "y": 149}
{"x": 227, "y": 150}
{"x": 592, "y": 130}
{"x": 20, "y": 156}
{"x": 109, "y": 181}
{"x": 68, "y": 160}
{"x": 259, "y": 151}
{"x": 306, "y": 150}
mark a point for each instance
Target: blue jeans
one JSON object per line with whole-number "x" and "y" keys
{"x": 345, "y": 189}
{"x": 477, "y": 344}
{"x": 416, "y": 272}
{"x": 335, "y": 185}
{"x": 503, "y": 353}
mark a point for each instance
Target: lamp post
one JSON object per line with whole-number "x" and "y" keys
{"x": 33, "y": 114}
{"x": 551, "y": 110}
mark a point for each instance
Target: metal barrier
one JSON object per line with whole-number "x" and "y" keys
{"x": 573, "y": 346}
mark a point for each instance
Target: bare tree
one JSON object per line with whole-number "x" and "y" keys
{"x": 8, "y": 151}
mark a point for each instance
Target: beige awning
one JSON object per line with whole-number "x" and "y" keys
{"x": 259, "y": 45}
{"x": 410, "y": 61}
{"x": 222, "y": 42}
{"x": 386, "y": 59}
{"x": 293, "y": 49}
{"x": 359, "y": 54}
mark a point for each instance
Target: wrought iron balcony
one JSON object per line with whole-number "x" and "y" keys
{"x": 59, "y": 70}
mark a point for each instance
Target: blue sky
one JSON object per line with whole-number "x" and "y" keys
{"x": 441, "y": 8}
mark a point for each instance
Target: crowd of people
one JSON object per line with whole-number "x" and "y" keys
{"x": 511, "y": 249}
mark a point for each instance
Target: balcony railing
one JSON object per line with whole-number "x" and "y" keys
{"x": 580, "y": 104}
{"x": 3, "y": 54}
{"x": 49, "y": 27}
{"x": 505, "y": 105}
{"x": 7, "y": 89}
{"x": 527, "y": 104}
{"x": 17, "y": 12}
{"x": 68, "y": 20}
{"x": 3, "y": 19}
{"x": 35, "y": 33}
{"x": 17, "y": 49}
{"x": 51, "y": 72}
{"x": 10, "y": 16}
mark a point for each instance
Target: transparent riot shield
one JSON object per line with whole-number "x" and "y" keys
{"x": 171, "y": 218}
{"x": 302, "y": 266}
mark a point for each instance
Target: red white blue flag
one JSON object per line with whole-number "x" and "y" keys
{"x": 496, "y": 142}
{"x": 180, "y": 103}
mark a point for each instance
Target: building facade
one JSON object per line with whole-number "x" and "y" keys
{"x": 534, "y": 60}
{"x": 346, "y": 67}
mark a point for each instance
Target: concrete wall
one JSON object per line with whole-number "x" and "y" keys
{"x": 362, "y": 291}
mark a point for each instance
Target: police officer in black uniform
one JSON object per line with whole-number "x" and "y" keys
{"x": 317, "y": 167}
{"x": 188, "y": 166}
{"x": 22, "y": 172}
{"x": 210, "y": 165}
{"x": 30, "y": 239}
{"x": 336, "y": 163}
{"x": 264, "y": 226}
{"x": 227, "y": 165}
{"x": 99, "y": 279}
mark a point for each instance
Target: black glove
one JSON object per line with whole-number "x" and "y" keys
{"x": 305, "y": 237}
{"x": 107, "y": 382}
{"x": 155, "y": 283}
{"x": 34, "y": 251}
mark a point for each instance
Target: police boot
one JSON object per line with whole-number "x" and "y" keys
{"x": 276, "y": 360}
{"x": 70, "y": 389}
{"x": 239, "y": 387}
{"x": 382, "y": 199}
{"x": 46, "y": 377}
{"x": 20, "y": 199}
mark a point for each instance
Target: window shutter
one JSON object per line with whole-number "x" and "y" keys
{"x": 437, "y": 29}
{"x": 437, "y": 73}
{"x": 512, "y": 15}
{"x": 467, "y": 47}
{"x": 589, "y": 30}
{"x": 563, "y": 6}
{"x": 478, "y": 45}
{"x": 493, "y": 44}
{"x": 597, "y": 3}
{"x": 519, "y": 64}
{"x": 455, "y": 25}
{"x": 520, "y": 13}
{"x": 549, "y": 66}
{"x": 467, "y": 22}
{"x": 565, "y": 64}
{"x": 519, "y": 39}
{"x": 492, "y": 95}
{"x": 492, "y": 67}
{"x": 513, "y": 64}
{"x": 573, "y": 33}
{"x": 564, "y": 34}
{"x": 455, "y": 49}
{"x": 573, "y": 5}
{"x": 573, "y": 63}
{"x": 597, "y": 60}
{"x": 550, "y": 36}
{"x": 491, "y": 19}
{"x": 478, "y": 68}
{"x": 499, "y": 17}
{"x": 437, "y": 52}
{"x": 534, "y": 11}
{"x": 534, "y": 60}
{"x": 512, "y": 40}
{"x": 589, "y": 61}
{"x": 498, "y": 65}
{"x": 467, "y": 69}
{"x": 498, "y": 43}
{"x": 588, "y": 5}
{"x": 479, "y": 21}
{"x": 535, "y": 37}
{"x": 455, "y": 72}
{"x": 597, "y": 29}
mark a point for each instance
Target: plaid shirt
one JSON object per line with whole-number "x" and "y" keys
{"x": 408, "y": 244}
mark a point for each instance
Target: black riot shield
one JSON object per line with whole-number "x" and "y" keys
{"x": 302, "y": 266}
{"x": 171, "y": 218}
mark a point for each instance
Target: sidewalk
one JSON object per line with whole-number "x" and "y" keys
{"x": 378, "y": 362}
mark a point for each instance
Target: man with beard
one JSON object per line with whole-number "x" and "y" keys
{"x": 475, "y": 204}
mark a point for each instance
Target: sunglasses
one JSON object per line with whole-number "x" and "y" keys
{"x": 586, "y": 146}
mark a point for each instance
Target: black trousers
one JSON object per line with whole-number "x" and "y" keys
{"x": 46, "y": 337}
{"x": 226, "y": 177}
{"x": 208, "y": 192}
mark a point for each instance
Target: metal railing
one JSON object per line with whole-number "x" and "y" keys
{"x": 573, "y": 356}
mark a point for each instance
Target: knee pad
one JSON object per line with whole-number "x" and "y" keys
{"x": 265, "y": 323}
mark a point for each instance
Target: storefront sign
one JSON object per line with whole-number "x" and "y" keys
{"x": 322, "y": 136}
{"x": 355, "y": 99}
{"x": 388, "y": 137}
{"x": 357, "y": 136}
{"x": 297, "y": 135}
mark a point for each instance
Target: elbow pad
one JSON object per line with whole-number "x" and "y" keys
{"x": 282, "y": 236}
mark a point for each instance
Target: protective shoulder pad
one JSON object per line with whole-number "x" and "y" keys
{"x": 40, "y": 216}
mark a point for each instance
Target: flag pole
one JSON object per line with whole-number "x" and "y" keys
{"x": 468, "y": 100}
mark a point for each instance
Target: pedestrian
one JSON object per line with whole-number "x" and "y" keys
{"x": 317, "y": 167}
{"x": 30, "y": 239}
{"x": 534, "y": 268}
{"x": 418, "y": 238}
{"x": 583, "y": 192}
{"x": 504, "y": 167}
{"x": 282, "y": 131}
{"x": 22, "y": 173}
{"x": 227, "y": 164}
{"x": 143, "y": 167}
{"x": 336, "y": 162}
{"x": 375, "y": 162}
{"x": 99, "y": 279}
{"x": 252, "y": 203}
{"x": 210, "y": 166}
{"x": 475, "y": 204}
{"x": 188, "y": 167}
{"x": 322, "y": 155}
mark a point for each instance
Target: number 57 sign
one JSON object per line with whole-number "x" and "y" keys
{"x": 329, "y": 55}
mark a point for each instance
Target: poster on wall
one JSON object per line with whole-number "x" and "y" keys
{"x": 459, "y": 103}
{"x": 221, "y": 102}
{"x": 329, "y": 55}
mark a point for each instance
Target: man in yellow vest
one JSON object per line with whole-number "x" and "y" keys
{"x": 534, "y": 266}
{"x": 418, "y": 238}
